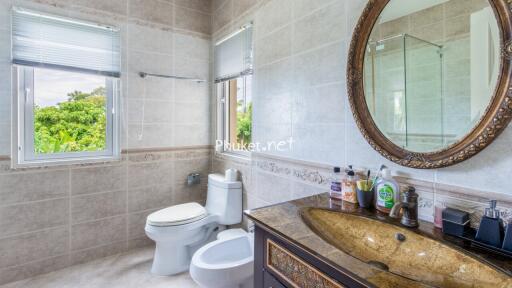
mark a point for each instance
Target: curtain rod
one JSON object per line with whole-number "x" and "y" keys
{"x": 144, "y": 75}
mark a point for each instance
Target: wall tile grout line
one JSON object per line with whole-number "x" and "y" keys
{"x": 34, "y": 261}
{"x": 192, "y": 9}
{"x": 96, "y": 193}
{"x": 127, "y": 232}
{"x": 99, "y": 219}
{"x": 35, "y": 231}
{"x": 305, "y": 52}
{"x": 32, "y": 202}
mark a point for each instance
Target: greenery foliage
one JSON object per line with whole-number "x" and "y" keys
{"x": 74, "y": 126}
{"x": 244, "y": 126}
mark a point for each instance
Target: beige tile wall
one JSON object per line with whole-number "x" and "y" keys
{"x": 300, "y": 51}
{"x": 300, "y": 66}
{"x": 66, "y": 215}
{"x": 54, "y": 217}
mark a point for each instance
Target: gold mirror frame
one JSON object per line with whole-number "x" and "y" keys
{"x": 496, "y": 117}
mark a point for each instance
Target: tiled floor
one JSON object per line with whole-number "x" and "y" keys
{"x": 129, "y": 270}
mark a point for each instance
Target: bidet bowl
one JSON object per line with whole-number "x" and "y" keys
{"x": 225, "y": 263}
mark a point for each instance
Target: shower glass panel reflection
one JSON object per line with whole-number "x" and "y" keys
{"x": 403, "y": 91}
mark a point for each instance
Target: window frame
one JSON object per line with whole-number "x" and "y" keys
{"x": 223, "y": 113}
{"x": 23, "y": 125}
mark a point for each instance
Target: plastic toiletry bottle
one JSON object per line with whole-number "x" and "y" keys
{"x": 491, "y": 230}
{"x": 348, "y": 187}
{"x": 387, "y": 191}
{"x": 335, "y": 191}
{"x": 507, "y": 241}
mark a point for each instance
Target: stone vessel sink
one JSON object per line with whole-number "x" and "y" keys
{"x": 401, "y": 251}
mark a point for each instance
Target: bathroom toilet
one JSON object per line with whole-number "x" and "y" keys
{"x": 225, "y": 263}
{"x": 180, "y": 230}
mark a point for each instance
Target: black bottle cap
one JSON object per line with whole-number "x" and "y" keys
{"x": 337, "y": 169}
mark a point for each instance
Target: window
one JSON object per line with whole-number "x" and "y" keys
{"x": 233, "y": 77}
{"x": 236, "y": 102}
{"x": 67, "y": 73}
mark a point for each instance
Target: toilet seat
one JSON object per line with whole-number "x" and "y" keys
{"x": 177, "y": 215}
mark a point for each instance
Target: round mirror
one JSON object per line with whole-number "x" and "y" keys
{"x": 427, "y": 78}
{"x": 430, "y": 70}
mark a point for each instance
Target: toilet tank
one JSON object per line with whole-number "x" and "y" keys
{"x": 224, "y": 199}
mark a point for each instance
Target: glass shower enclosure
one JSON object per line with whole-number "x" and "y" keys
{"x": 404, "y": 93}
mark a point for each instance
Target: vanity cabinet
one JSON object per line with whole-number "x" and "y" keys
{"x": 279, "y": 263}
{"x": 270, "y": 281}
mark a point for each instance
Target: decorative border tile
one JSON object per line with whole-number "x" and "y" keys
{"x": 431, "y": 194}
{"x": 312, "y": 176}
{"x": 273, "y": 167}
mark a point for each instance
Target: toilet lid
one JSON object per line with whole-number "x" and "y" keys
{"x": 177, "y": 215}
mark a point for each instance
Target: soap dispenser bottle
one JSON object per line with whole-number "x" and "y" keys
{"x": 387, "y": 191}
{"x": 507, "y": 241}
{"x": 348, "y": 186}
{"x": 335, "y": 192}
{"x": 491, "y": 227}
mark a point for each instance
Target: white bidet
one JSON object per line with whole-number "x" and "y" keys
{"x": 225, "y": 263}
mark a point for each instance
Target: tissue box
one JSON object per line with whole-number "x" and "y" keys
{"x": 455, "y": 222}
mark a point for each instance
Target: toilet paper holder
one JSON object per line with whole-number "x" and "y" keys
{"x": 193, "y": 179}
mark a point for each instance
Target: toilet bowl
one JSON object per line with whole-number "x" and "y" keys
{"x": 175, "y": 235}
{"x": 180, "y": 230}
{"x": 225, "y": 263}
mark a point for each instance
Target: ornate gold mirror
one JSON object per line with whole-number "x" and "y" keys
{"x": 429, "y": 80}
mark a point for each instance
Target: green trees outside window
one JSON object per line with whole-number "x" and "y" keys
{"x": 244, "y": 126}
{"x": 77, "y": 125}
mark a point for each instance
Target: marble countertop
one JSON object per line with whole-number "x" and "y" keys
{"x": 284, "y": 220}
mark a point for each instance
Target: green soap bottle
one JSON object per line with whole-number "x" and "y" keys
{"x": 387, "y": 191}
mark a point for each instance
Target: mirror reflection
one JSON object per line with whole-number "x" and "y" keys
{"x": 431, "y": 68}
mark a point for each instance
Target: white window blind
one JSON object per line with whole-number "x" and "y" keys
{"x": 233, "y": 55}
{"x": 43, "y": 40}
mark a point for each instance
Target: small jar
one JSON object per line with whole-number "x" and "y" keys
{"x": 438, "y": 215}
